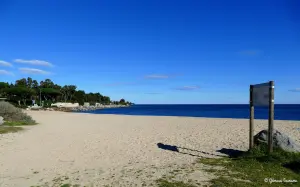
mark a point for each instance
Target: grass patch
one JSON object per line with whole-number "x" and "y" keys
{"x": 9, "y": 129}
{"x": 66, "y": 185}
{"x": 256, "y": 168}
{"x": 70, "y": 185}
{"x": 165, "y": 183}
{"x": 18, "y": 123}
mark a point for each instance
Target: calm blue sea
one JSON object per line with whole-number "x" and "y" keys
{"x": 282, "y": 112}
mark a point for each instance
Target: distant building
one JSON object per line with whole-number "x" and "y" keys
{"x": 2, "y": 99}
{"x": 86, "y": 104}
{"x": 66, "y": 105}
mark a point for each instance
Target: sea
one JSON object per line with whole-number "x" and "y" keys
{"x": 238, "y": 111}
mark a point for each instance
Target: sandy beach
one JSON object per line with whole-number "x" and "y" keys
{"x": 116, "y": 150}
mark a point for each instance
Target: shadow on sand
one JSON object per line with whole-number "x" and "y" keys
{"x": 232, "y": 153}
{"x": 192, "y": 152}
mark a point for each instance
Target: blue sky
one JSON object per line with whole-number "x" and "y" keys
{"x": 155, "y": 51}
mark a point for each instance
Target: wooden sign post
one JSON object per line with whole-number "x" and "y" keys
{"x": 271, "y": 116}
{"x": 262, "y": 95}
{"x": 251, "y": 130}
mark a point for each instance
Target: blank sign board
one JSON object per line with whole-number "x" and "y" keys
{"x": 261, "y": 94}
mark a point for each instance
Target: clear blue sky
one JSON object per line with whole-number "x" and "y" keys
{"x": 155, "y": 51}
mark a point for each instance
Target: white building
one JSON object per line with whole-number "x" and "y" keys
{"x": 67, "y": 105}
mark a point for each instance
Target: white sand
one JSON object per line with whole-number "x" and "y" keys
{"x": 96, "y": 150}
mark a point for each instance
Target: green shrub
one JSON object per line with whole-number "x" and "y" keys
{"x": 11, "y": 113}
{"x": 7, "y": 110}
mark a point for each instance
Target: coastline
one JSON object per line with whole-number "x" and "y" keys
{"x": 112, "y": 149}
{"x": 77, "y": 109}
{"x": 91, "y": 108}
{"x": 283, "y": 112}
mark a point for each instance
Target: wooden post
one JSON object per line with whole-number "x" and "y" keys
{"x": 271, "y": 117}
{"x": 251, "y": 119}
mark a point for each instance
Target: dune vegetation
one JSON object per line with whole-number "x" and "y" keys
{"x": 13, "y": 118}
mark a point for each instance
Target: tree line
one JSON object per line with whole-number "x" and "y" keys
{"x": 23, "y": 91}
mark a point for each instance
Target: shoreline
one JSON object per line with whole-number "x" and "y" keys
{"x": 242, "y": 113}
{"x": 92, "y": 108}
{"x": 197, "y": 117}
{"x": 175, "y": 117}
{"x": 77, "y": 109}
{"x": 68, "y": 110}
